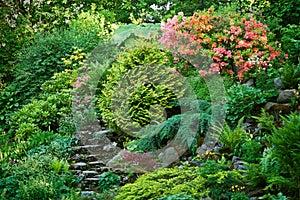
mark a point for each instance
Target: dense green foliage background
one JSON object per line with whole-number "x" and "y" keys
{"x": 44, "y": 58}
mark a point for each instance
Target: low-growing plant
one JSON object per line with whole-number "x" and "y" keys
{"x": 241, "y": 100}
{"x": 233, "y": 138}
{"x": 286, "y": 152}
{"x": 165, "y": 182}
{"x": 180, "y": 196}
{"x": 34, "y": 178}
{"x": 220, "y": 181}
{"x": 108, "y": 181}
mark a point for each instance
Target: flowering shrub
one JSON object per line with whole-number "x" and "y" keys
{"x": 236, "y": 44}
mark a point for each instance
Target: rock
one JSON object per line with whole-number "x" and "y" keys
{"x": 169, "y": 156}
{"x": 87, "y": 193}
{"x": 237, "y": 163}
{"x": 96, "y": 164}
{"x": 80, "y": 165}
{"x": 277, "y": 109}
{"x": 89, "y": 174}
{"x": 278, "y": 83}
{"x": 250, "y": 83}
{"x": 285, "y": 96}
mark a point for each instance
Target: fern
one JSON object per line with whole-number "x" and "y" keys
{"x": 186, "y": 128}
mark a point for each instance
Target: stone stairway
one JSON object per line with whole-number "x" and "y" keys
{"x": 91, "y": 155}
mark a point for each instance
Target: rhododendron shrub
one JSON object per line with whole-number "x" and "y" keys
{"x": 236, "y": 44}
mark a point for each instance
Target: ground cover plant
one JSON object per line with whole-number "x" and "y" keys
{"x": 48, "y": 49}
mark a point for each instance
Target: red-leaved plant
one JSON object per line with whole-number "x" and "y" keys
{"x": 235, "y": 43}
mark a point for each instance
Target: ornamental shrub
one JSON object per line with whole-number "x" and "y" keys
{"x": 236, "y": 43}
{"x": 137, "y": 89}
{"x": 43, "y": 114}
{"x": 165, "y": 182}
{"x": 241, "y": 99}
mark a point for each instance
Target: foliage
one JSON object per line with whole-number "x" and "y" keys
{"x": 220, "y": 181}
{"x": 286, "y": 151}
{"x": 233, "y": 139}
{"x": 251, "y": 151}
{"x": 134, "y": 84}
{"x": 180, "y": 196}
{"x": 20, "y": 21}
{"x": 163, "y": 182}
{"x": 51, "y": 53}
{"x": 241, "y": 47}
{"x": 156, "y": 136}
{"x": 290, "y": 75}
{"x": 240, "y": 196}
{"x": 59, "y": 147}
{"x": 34, "y": 178}
{"x": 108, "y": 180}
{"x": 291, "y": 41}
{"x": 241, "y": 100}
{"x": 43, "y": 114}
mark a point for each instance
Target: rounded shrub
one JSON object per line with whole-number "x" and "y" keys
{"x": 137, "y": 87}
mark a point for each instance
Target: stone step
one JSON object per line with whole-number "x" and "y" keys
{"x": 87, "y": 193}
{"x": 89, "y": 174}
{"x": 91, "y": 181}
{"x": 86, "y": 148}
{"x": 79, "y": 166}
{"x": 84, "y": 158}
{"x": 96, "y": 164}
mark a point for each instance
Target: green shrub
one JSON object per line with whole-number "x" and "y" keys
{"x": 290, "y": 75}
{"x": 35, "y": 178}
{"x": 240, "y": 196}
{"x": 137, "y": 88}
{"x": 251, "y": 151}
{"x": 286, "y": 152}
{"x": 291, "y": 41}
{"x": 44, "y": 57}
{"x": 165, "y": 182}
{"x": 241, "y": 100}
{"x": 180, "y": 196}
{"x": 221, "y": 182}
{"x": 43, "y": 114}
{"x": 108, "y": 180}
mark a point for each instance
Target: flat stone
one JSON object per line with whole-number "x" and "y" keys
{"x": 91, "y": 179}
{"x": 87, "y": 193}
{"x": 90, "y": 172}
{"x": 86, "y": 147}
{"x": 96, "y": 164}
{"x": 80, "y": 165}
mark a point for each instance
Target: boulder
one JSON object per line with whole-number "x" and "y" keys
{"x": 278, "y": 83}
{"x": 285, "y": 96}
{"x": 169, "y": 156}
